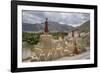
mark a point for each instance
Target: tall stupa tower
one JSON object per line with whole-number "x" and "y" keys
{"x": 46, "y": 26}
{"x": 46, "y": 38}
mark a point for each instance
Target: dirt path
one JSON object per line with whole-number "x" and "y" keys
{"x": 85, "y": 55}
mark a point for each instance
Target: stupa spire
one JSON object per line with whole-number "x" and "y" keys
{"x": 46, "y": 26}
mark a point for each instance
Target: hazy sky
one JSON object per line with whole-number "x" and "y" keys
{"x": 69, "y": 18}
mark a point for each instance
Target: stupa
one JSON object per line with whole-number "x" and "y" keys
{"x": 46, "y": 39}
{"x": 76, "y": 49}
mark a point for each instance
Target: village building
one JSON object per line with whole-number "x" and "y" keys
{"x": 74, "y": 33}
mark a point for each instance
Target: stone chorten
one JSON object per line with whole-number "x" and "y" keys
{"x": 46, "y": 39}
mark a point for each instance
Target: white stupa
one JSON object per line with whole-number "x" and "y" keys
{"x": 46, "y": 39}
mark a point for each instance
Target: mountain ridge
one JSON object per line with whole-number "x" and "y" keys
{"x": 52, "y": 26}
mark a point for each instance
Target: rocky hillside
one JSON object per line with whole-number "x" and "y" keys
{"x": 85, "y": 27}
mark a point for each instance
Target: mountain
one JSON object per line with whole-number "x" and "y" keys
{"x": 26, "y": 27}
{"x": 52, "y": 26}
{"x": 85, "y": 27}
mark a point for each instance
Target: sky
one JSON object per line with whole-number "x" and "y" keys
{"x": 70, "y": 18}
